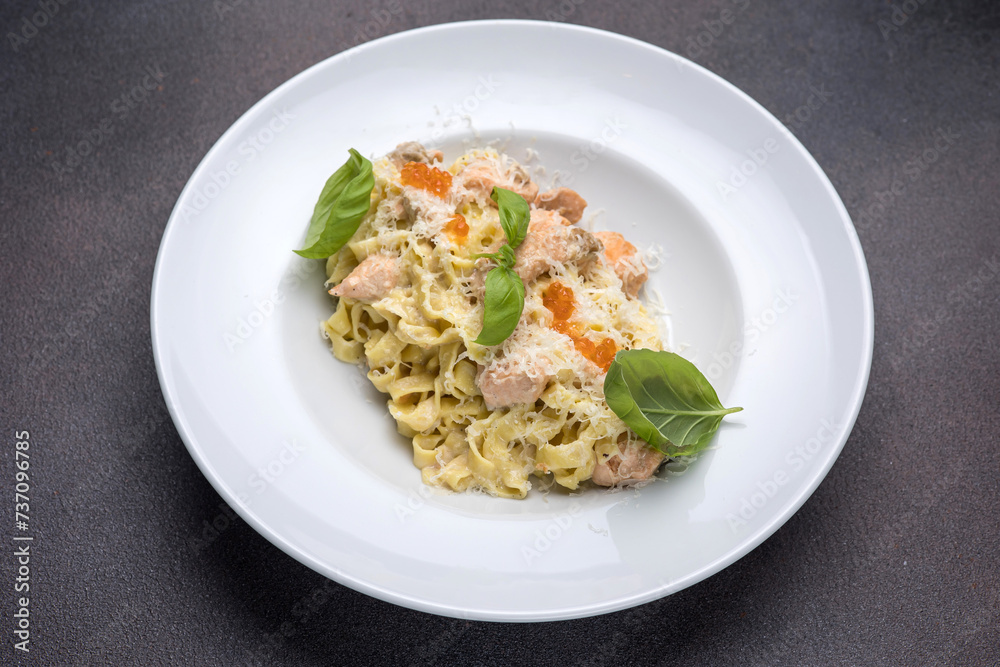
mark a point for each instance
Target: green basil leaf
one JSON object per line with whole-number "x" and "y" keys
{"x": 342, "y": 204}
{"x": 514, "y": 215}
{"x": 665, "y": 400}
{"x": 503, "y": 303}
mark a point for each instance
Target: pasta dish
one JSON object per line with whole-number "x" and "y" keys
{"x": 409, "y": 287}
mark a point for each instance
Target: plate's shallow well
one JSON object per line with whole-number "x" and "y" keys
{"x": 762, "y": 273}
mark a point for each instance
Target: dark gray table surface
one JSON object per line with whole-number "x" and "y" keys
{"x": 894, "y": 560}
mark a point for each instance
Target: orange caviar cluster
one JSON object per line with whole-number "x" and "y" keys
{"x": 457, "y": 228}
{"x": 560, "y": 301}
{"x": 426, "y": 177}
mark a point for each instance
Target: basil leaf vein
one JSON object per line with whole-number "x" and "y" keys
{"x": 665, "y": 399}
{"x": 342, "y": 204}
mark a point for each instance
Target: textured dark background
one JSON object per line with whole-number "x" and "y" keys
{"x": 894, "y": 560}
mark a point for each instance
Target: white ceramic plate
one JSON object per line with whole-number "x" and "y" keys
{"x": 766, "y": 283}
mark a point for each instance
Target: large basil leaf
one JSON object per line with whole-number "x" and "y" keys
{"x": 503, "y": 303}
{"x": 514, "y": 215}
{"x": 342, "y": 204}
{"x": 665, "y": 400}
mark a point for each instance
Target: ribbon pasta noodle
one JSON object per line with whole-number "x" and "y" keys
{"x": 410, "y": 306}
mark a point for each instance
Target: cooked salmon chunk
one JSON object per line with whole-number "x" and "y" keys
{"x": 550, "y": 244}
{"x": 636, "y": 462}
{"x": 371, "y": 280}
{"x": 624, "y": 259}
{"x": 505, "y": 384}
{"x": 563, "y": 201}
